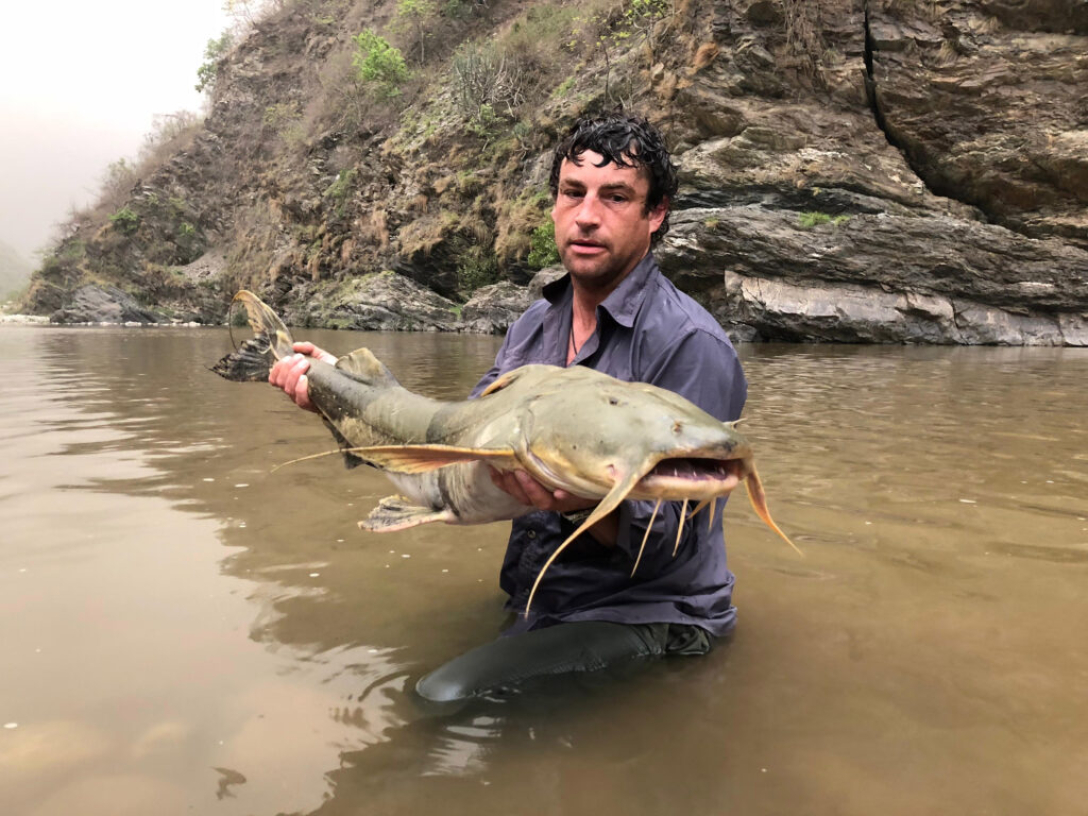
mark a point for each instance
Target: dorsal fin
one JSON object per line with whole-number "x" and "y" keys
{"x": 363, "y": 366}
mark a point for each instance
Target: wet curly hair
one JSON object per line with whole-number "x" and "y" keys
{"x": 626, "y": 141}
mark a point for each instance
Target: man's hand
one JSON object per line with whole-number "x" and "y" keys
{"x": 529, "y": 491}
{"x": 289, "y": 373}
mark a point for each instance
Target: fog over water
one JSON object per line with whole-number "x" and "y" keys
{"x": 82, "y": 84}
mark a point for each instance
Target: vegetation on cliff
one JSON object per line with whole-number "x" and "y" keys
{"x": 412, "y": 136}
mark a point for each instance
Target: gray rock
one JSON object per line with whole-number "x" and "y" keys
{"x": 542, "y": 279}
{"x": 383, "y": 301}
{"x": 103, "y": 304}
{"x": 764, "y": 309}
{"x": 493, "y": 308}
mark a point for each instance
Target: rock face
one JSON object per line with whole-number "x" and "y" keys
{"x": 877, "y": 171}
{"x": 492, "y": 309}
{"x": 103, "y": 304}
{"x": 384, "y": 301}
{"x": 988, "y": 101}
{"x": 961, "y": 281}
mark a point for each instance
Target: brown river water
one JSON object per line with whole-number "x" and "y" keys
{"x": 184, "y": 631}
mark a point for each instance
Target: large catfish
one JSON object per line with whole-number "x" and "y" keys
{"x": 571, "y": 428}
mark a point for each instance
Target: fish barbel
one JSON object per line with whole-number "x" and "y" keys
{"x": 574, "y": 429}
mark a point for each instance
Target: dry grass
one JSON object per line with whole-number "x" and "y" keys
{"x": 375, "y": 228}
{"x": 704, "y": 55}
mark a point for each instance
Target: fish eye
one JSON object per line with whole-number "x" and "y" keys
{"x": 613, "y": 401}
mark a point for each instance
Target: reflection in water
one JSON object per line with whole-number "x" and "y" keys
{"x": 188, "y": 632}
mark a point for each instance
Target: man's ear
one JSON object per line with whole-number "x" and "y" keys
{"x": 658, "y": 213}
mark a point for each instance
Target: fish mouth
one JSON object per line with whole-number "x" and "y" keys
{"x": 688, "y": 477}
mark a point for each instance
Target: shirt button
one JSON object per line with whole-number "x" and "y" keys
{"x": 531, "y": 534}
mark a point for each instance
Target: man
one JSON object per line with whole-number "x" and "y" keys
{"x": 613, "y": 182}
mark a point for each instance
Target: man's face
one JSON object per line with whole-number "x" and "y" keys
{"x": 602, "y": 228}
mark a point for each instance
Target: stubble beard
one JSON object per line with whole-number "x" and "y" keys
{"x": 599, "y": 275}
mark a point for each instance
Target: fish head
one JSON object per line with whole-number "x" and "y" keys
{"x": 590, "y": 436}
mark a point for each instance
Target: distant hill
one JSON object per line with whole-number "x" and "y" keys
{"x": 14, "y": 270}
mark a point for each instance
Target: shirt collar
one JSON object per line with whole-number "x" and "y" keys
{"x": 624, "y": 301}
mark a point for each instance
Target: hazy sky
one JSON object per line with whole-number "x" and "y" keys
{"x": 79, "y": 84}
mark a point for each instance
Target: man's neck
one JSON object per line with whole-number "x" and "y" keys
{"x": 586, "y": 299}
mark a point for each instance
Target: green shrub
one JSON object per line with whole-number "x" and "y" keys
{"x": 563, "y": 88}
{"x": 209, "y": 70}
{"x": 189, "y": 241}
{"x": 379, "y": 64}
{"x": 126, "y": 220}
{"x": 813, "y": 218}
{"x": 478, "y": 267}
{"x": 340, "y": 190}
{"x": 543, "y": 251}
{"x": 486, "y": 124}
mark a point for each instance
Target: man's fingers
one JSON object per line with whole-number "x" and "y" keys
{"x": 538, "y": 496}
{"x": 508, "y": 483}
{"x": 302, "y": 393}
{"x": 310, "y": 350}
{"x": 297, "y": 369}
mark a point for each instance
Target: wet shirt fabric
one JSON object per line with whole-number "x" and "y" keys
{"x": 647, "y": 331}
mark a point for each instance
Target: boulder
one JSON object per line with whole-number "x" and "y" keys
{"x": 384, "y": 301}
{"x": 492, "y": 309}
{"x": 103, "y": 304}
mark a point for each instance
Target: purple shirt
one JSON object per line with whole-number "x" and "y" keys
{"x": 647, "y": 331}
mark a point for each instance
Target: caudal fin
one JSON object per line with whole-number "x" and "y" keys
{"x": 271, "y": 341}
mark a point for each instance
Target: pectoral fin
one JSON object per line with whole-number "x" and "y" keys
{"x": 423, "y": 458}
{"x": 396, "y": 513}
{"x": 502, "y": 381}
{"x": 609, "y": 503}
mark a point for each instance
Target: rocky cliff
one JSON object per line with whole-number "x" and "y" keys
{"x": 878, "y": 171}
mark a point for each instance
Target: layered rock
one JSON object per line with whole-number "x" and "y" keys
{"x": 103, "y": 304}
{"x": 988, "y": 100}
{"x": 384, "y": 301}
{"x": 492, "y": 309}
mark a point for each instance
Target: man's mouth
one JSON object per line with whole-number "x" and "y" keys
{"x": 585, "y": 246}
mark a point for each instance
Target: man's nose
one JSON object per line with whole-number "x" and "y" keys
{"x": 588, "y": 214}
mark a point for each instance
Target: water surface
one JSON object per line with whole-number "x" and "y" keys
{"x": 185, "y": 631}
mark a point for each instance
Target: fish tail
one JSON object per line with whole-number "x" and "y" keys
{"x": 759, "y": 504}
{"x": 271, "y": 341}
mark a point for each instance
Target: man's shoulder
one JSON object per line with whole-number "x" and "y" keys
{"x": 529, "y": 322}
{"x": 677, "y": 315}
{"x": 534, "y": 315}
